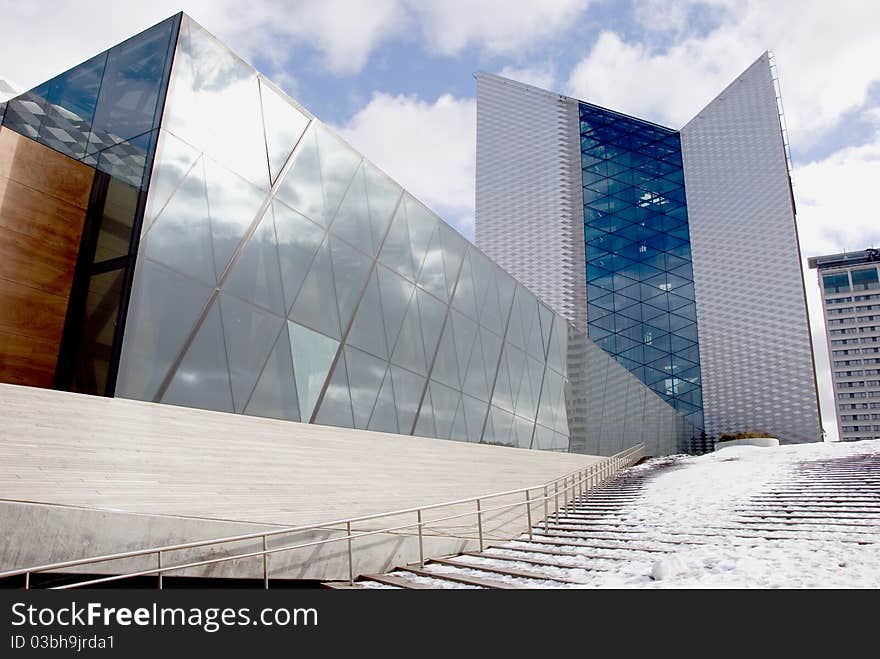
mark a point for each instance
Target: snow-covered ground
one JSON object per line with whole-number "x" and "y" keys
{"x": 704, "y": 492}
{"x": 742, "y": 517}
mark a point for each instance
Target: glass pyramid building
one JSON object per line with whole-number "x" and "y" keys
{"x": 238, "y": 256}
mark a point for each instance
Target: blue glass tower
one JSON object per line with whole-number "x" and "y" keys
{"x": 640, "y": 282}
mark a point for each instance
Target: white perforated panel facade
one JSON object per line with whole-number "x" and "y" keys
{"x": 529, "y": 204}
{"x": 755, "y": 349}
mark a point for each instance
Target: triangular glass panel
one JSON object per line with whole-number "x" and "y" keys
{"x": 214, "y": 104}
{"x": 384, "y": 417}
{"x": 409, "y": 352}
{"x": 503, "y": 394}
{"x": 383, "y": 195}
{"x": 465, "y": 299}
{"x": 395, "y": 293}
{"x": 432, "y": 312}
{"x": 313, "y": 355}
{"x": 250, "y": 334}
{"x": 284, "y": 125}
{"x": 502, "y": 424}
{"x": 425, "y": 426}
{"x": 421, "y": 223}
{"x": 475, "y": 377}
{"x": 351, "y": 269}
{"x": 407, "y": 392}
{"x": 368, "y": 329}
{"x": 445, "y": 402}
{"x": 173, "y": 161}
{"x": 352, "y": 221}
{"x": 181, "y": 236}
{"x": 314, "y": 306}
{"x": 163, "y": 308}
{"x": 432, "y": 278}
{"x": 491, "y": 345}
{"x": 474, "y": 416}
{"x": 397, "y": 250}
{"x": 274, "y": 396}
{"x": 338, "y": 165}
{"x": 516, "y": 363}
{"x": 459, "y": 425}
{"x": 233, "y": 204}
{"x": 298, "y": 241}
{"x": 256, "y": 275}
{"x": 335, "y": 408}
{"x": 301, "y": 187}
{"x": 445, "y": 369}
{"x": 488, "y": 431}
{"x": 202, "y": 379}
{"x": 365, "y": 375}
{"x": 465, "y": 334}
{"x": 523, "y": 430}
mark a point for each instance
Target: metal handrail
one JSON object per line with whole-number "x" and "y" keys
{"x": 583, "y": 479}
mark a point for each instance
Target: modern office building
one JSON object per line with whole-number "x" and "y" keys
{"x": 851, "y": 294}
{"x": 675, "y": 250}
{"x": 180, "y": 231}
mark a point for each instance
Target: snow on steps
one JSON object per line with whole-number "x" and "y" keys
{"x": 799, "y": 516}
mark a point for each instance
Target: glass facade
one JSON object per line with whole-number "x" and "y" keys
{"x": 280, "y": 274}
{"x": 105, "y": 113}
{"x": 304, "y": 284}
{"x": 640, "y": 283}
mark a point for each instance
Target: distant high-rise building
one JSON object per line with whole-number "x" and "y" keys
{"x": 676, "y": 250}
{"x": 851, "y": 294}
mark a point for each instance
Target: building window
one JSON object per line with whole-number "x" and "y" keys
{"x": 865, "y": 279}
{"x": 838, "y": 283}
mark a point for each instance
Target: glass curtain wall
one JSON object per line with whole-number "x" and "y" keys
{"x": 640, "y": 282}
{"x": 283, "y": 275}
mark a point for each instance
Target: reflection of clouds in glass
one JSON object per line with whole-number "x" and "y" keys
{"x": 174, "y": 159}
{"x": 284, "y": 126}
{"x": 233, "y": 204}
{"x": 180, "y": 237}
{"x": 214, "y": 104}
{"x": 301, "y": 188}
{"x": 338, "y": 165}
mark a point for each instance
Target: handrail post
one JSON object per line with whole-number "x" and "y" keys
{"x": 546, "y": 510}
{"x": 27, "y": 580}
{"x": 556, "y": 501}
{"x": 265, "y": 564}
{"x": 565, "y": 495}
{"x": 159, "y": 565}
{"x": 350, "y": 557}
{"x": 421, "y": 545}
{"x": 529, "y": 512}
{"x": 480, "y": 524}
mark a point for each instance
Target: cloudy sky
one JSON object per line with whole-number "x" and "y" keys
{"x": 395, "y": 77}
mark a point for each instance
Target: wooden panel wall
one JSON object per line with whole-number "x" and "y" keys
{"x": 43, "y": 200}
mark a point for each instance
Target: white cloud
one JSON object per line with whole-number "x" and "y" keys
{"x": 827, "y": 59}
{"x": 499, "y": 26}
{"x": 344, "y": 33}
{"x": 426, "y": 147}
